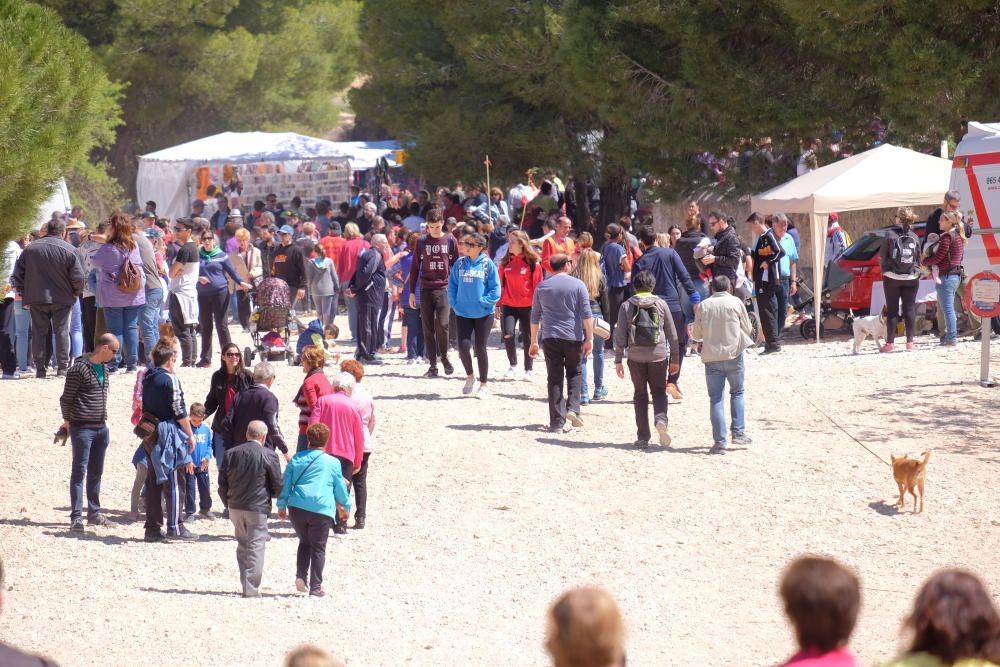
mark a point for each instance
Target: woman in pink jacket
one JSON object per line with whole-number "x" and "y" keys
{"x": 347, "y": 430}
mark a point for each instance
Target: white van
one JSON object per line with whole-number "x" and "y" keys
{"x": 975, "y": 174}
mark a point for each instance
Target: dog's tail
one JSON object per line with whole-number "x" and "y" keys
{"x": 927, "y": 457}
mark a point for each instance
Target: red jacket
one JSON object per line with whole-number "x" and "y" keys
{"x": 518, "y": 281}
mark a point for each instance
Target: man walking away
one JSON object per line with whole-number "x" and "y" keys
{"x": 255, "y": 402}
{"x": 84, "y": 405}
{"x": 432, "y": 260}
{"x": 168, "y": 450}
{"x": 249, "y": 478}
{"x": 368, "y": 287}
{"x": 49, "y": 278}
{"x": 561, "y": 315}
{"x": 723, "y": 326}
{"x": 646, "y": 330}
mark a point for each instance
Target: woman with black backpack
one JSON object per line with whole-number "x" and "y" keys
{"x": 899, "y": 258}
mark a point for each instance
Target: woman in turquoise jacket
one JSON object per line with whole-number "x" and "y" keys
{"x": 473, "y": 292}
{"x": 314, "y": 493}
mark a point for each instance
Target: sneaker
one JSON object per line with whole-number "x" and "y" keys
{"x": 741, "y": 439}
{"x": 208, "y": 514}
{"x": 40, "y": 375}
{"x": 717, "y": 449}
{"x": 318, "y": 593}
{"x": 584, "y": 399}
{"x": 910, "y": 347}
{"x": 556, "y": 428}
{"x": 359, "y": 523}
{"x": 300, "y": 585}
{"x": 661, "y": 429}
{"x": 155, "y": 537}
{"x": 470, "y": 384}
{"x": 483, "y": 393}
{"x": 12, "y": 376}
{"x": 642, "y": 444}
{"x": 529, "y": 376}
{"x": 511, "y": 373}
{"x": 204, "y": 363}
{"x": 888, "y": 347}
{"x": 448, "y": 368}
{"x": 949, "y": 343}
{"x": 184, "y": 535}
{"x": 566, "y": 428}
{"x": 574, "y": 419}
{"x": 340, "y": 529}
{"x": 97, "y": 520}
{"x": 432, "y": 372}
{"x": 76, "y": 526}
{"x": 674, "y": 392}
{"x": 373, "y": 360}
{"x": 600, "y": 393}
{"x": 190, "y": 516}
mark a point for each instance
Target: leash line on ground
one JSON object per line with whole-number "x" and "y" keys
{"x": 848, "y": 433}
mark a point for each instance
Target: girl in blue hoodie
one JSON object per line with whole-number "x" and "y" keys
{"x": 473, "y": 292}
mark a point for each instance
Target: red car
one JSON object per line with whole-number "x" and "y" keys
{"x": 861, "y": 260}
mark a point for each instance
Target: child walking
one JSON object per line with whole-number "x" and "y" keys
{"x": 201, "y": 456}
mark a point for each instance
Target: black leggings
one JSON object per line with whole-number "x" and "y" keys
{"x": 480, "y": 326}
{"x": 894, "y": 291}
{"x": 520, "y": 317}
{"x": 213, "y": 307}
{"x": 360, "y": 483}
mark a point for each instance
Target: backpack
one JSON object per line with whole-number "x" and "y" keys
{"x": 904, "y": 254}
{"x": 646, "y": 326}
{"x": 129, "y": 278}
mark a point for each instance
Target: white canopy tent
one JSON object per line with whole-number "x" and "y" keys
{"x": 165, "y": 176}
{"x": 883, "y": 177}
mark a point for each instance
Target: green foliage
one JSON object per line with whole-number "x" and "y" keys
{"x": 197, "y": 67}
{"x": 56, "y": 103}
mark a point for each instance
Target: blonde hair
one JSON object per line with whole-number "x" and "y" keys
{"x": 528, "y": 251}
{"x": 585, "y": 240}
{"x": 242, "y": 234}
{"x": 588, "y": 270}
{"x": 313, "y": 355}
{"x": 351, "y": 231}
{"x": 906, "y": 215}
{"x": 955, "y": 217}
{"x": 663, "y": 239}
{"x": 311, "y": 656}
{"x": 585, "y": 629}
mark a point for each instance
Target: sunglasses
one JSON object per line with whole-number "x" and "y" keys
{"x": 469, "y": 244}
{"x": 232, "y": 355}
{"x": 207, "y": 238}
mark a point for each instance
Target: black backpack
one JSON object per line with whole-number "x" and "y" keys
{"x": 904, "y": 254}
{"x": 646, "y": 326}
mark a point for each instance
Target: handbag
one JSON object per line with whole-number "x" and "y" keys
{"x": 601, "y": 328}
{"x": 129, "y": 279}
{"x": 146, "y": 430}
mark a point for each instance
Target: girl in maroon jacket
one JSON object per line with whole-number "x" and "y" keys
{"x": 520, "y": 274}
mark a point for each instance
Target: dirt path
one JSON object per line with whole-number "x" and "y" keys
{"x": 478, "y": 518}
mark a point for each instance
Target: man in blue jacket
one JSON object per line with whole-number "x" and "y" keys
{"x": 368, "y": 285}
{"x": 170, "y": 458}
{"x": 667, "y": 267}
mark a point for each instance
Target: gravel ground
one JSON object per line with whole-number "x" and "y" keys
{"x": 479, "y": 518}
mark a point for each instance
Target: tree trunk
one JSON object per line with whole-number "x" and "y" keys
{"x": 614, "y": 198}
{"x": 582, "y": 212}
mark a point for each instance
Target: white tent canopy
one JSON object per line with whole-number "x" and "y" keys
{"x": 164, "y": 175}
{"x": 883, "y": 177}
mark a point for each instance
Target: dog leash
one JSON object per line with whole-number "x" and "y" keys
{"x": 848, "y": 433}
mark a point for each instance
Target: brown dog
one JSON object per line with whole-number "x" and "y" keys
{"x": 909, "y": 473}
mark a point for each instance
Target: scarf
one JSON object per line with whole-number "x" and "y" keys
{"x": 211, "y": 255}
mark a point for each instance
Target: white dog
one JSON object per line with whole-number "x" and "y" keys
{"x": 870, "y": 325}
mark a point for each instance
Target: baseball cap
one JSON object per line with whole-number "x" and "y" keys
{"x": 148, "y": 214}
{"x": 286, "y": 229}
{"x": 833, "y": 217}
{"x": 197, "y": 202}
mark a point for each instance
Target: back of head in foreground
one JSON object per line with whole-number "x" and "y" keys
{"x": 585, "y": 629}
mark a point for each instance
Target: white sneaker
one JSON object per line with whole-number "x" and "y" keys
{"x": 661, "y": 428}
{"x": 529, "y": 376}
{"x": 574, "y": 419}
{"x": 511, "y": 373}
{"x": 470, "y": 384}
{"x": 483, "y": 393}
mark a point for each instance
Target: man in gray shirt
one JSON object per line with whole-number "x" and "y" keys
{"x": 560, "y": 312}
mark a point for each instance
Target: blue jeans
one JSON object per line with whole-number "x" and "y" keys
{"x": 946, "y": 302}
{"x": 75, "y": 331}
{"x": 22, "y": 325}
{"x": 414, "y": 332}
{"x": 687, "y": 307}
{"x": 198, "y": 479}
{"x": 149, "y": 319}
{"x": 598, "y": 356}
{"x": 122, "y": 322}
{"x": 89, "y": 445}
{"x": 716, "y": 375}
{"x": 217, "y": 448}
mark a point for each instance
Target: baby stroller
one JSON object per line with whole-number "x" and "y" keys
{"x": 832, "y": 318}
{"x": 273, "y": 314}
